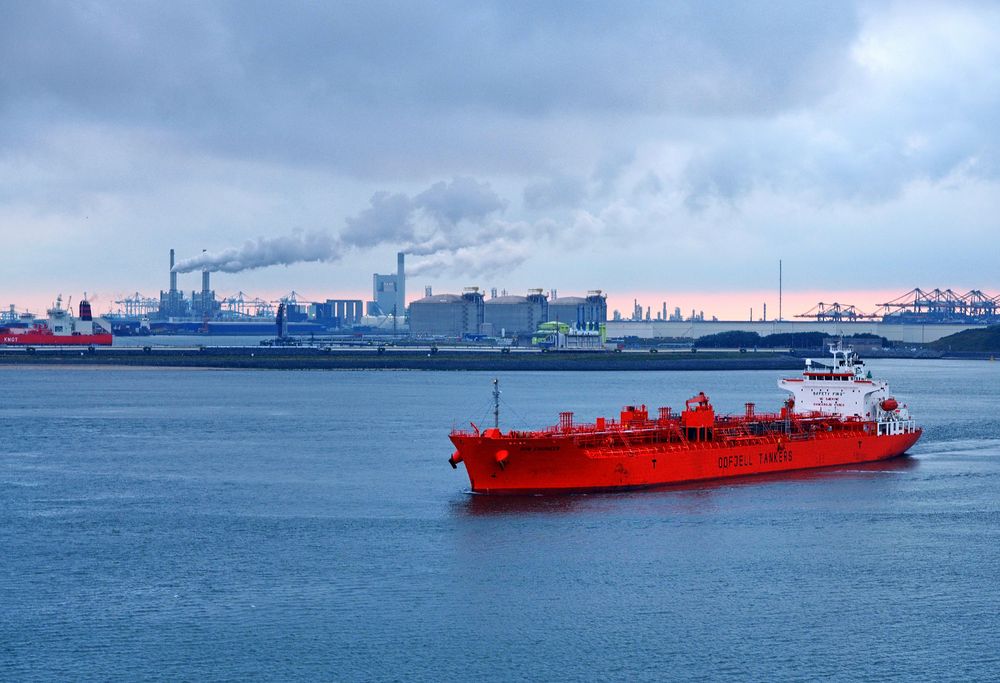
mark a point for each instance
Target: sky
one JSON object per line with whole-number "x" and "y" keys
{"x": 662, "y": 151}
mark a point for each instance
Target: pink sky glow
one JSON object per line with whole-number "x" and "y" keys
{"x": 724, "y": 305}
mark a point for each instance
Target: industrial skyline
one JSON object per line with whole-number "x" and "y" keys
{"x": 646, "y": 305}
{"x": 388, "y": 299}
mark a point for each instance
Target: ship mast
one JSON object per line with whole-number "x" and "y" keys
{"x": 496, "y": 403}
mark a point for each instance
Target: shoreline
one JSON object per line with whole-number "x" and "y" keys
{"x": 371, "y": 359}
{"x": 408, "y": 358}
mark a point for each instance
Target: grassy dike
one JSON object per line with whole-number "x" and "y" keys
{"x": 391, "y": 359}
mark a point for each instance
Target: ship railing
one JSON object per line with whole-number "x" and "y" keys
{"x": 892, "y": 427}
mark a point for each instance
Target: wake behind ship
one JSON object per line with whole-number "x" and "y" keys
{"x": 836, "y": 415}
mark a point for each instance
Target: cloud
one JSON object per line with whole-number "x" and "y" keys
{"x": 387, "y": 219}
{"x": 381, "y": 86}
{"x": 917, "y": 101}
{"x": 554, "y": 193}
{"x": 577, "y": 139}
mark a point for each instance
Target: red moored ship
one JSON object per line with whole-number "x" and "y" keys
{"x": 60, "y": 329}
{"x": 836, "y": 415}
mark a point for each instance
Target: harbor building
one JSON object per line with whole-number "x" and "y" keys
{"x": 338, "y": 312}
{"x": 389, "y": 291}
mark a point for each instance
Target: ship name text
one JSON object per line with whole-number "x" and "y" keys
{"x": 775, "y": 457}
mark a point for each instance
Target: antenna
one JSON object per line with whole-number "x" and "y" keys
{"x": 496, "y": 403}
{"x": 779, "y": 290}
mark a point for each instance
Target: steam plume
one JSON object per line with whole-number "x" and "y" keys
{"x": 487, "y": 260}
{"x": 267, "y": 251}
{"x": 451, "y": 226}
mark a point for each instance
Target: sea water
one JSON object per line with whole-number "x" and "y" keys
{"x": 249, "y": 525}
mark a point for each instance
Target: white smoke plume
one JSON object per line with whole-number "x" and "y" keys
{"x": 445, "y": 216}
{"x": 489, "y": 259}
{"x": 267, "y": 251}
{"x": 451, "y": 227}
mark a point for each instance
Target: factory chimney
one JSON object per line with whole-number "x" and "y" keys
{"x": 205, "y": 285}
{"x": 173, "y": 275}
{"x": 400, "y": 286}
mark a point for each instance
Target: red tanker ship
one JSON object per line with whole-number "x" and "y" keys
{"x": 60, "y": 329}
{"x": 836, "y": 415}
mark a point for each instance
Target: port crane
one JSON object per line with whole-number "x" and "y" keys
{"x": 241, "y": 306}
{"x": 836, "y": 312}
{"x": 137, "y": 306}
{"x": 945, "y": 305}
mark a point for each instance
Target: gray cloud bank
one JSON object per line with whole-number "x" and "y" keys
{"x": 769, "y": 94}
{"x": 382, "y": 87}
{"x": 555, "y": 122}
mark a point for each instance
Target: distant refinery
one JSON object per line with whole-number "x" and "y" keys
{"x": 660, "y": 316}
{"x": 467, "y": 314}
{"x": 501, "y": 314}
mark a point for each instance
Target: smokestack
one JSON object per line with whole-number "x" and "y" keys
{"x": 205, "y": 285}
{"x": 400, "y": 285}
{"x": 173, "y": 275}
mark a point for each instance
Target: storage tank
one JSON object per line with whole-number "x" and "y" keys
{"x": 584, "y": 312}
{"x": 447, "y": 315}
{"x": 516, "y": 316}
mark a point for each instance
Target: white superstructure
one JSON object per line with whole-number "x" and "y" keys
{"x": 847, "y": 391}
{"x": 62, "y": 323}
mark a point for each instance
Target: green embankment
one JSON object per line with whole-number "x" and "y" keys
{"x": 986, "y": 340}
{"x": 390, "y": 359}
{"x": 780, "y": 340}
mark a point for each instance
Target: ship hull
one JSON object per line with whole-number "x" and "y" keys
{"x": 548, "y": 464}
{"x": 40, "y": 339}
